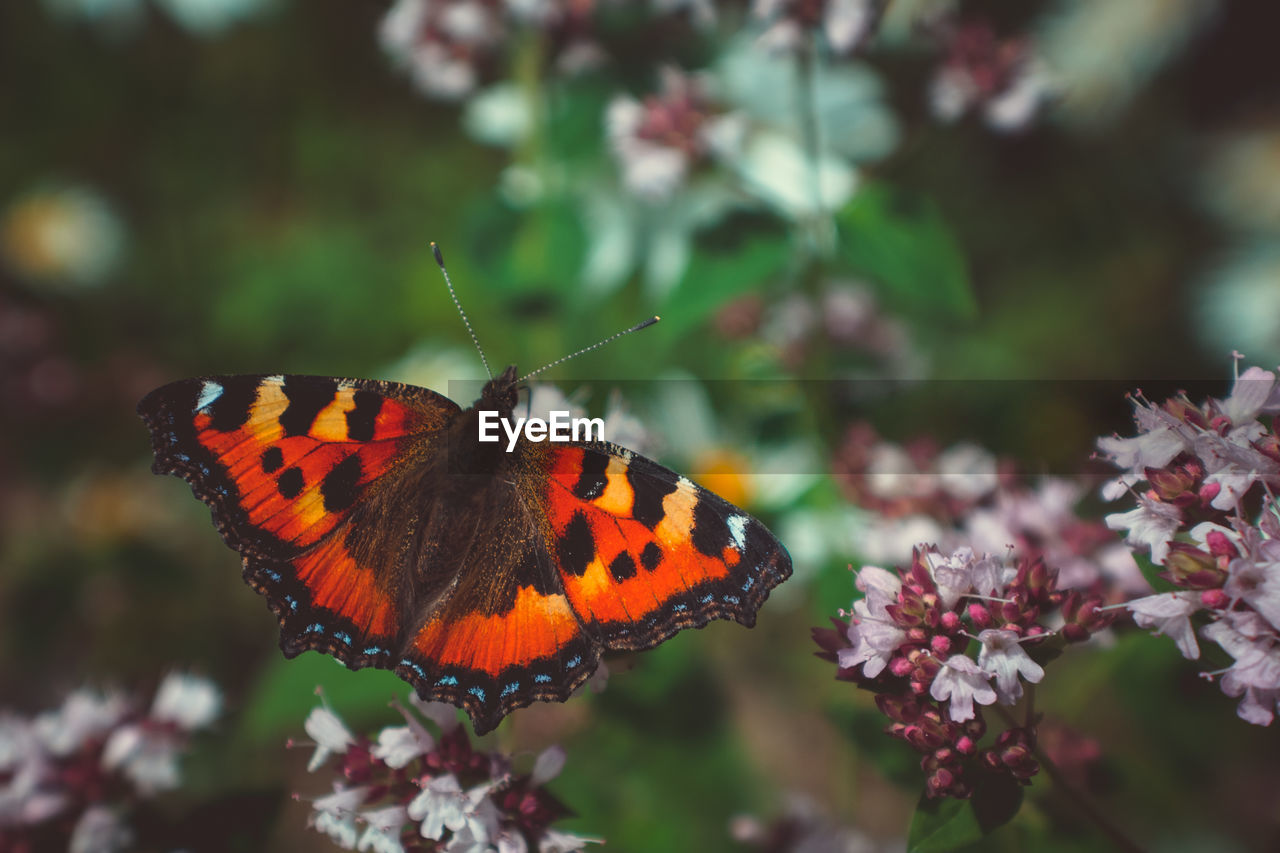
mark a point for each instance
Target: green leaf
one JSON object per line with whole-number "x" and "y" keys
{"x": 286, "y": 693}
{"x": 1151, "y": 572}
{"x": 739, "y": 254}
{"x": 948, "y": 824}
{"x": 901, "y": 242}
{"x": 522, "y": 252}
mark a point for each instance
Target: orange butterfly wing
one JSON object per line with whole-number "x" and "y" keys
{"x": 643, "y": 552}
{"x": 282, "y": 462}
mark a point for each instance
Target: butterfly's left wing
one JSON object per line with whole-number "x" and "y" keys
{"x": 292, "y": 467}
{"x": 643, "y": 553}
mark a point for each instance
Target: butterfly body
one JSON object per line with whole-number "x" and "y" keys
{"x": 382, "y": 531}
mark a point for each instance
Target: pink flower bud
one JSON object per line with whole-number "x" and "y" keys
{"x": 1215, "y": 599}
{"x": 981, "y": 616}
{"x": 1220, "y": 545}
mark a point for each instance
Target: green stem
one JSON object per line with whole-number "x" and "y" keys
{"x": 1081, "y": 800}
{"x": 818, "y": 227}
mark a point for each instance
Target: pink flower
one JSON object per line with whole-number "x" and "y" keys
{"x": 962, "y": 682}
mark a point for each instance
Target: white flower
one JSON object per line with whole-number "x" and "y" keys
{"x": 438, "y": 40}
{"x": 469, "y": 815}
{"x": 659, "y": 141}
{"x": 649, "y": 170}
{"x": 27, "y": 797}
{"x": 890, "y": 540}
{"x": 891, "y": 473}
{"x": 1254, "y": 393}
{"x": 845, "y": 23}
{"x": 342, "y": 831}
{"x": 444, "y": 715}
{"x": 1160, "y": 438}
{"x": 1170, "y": 614}
{"x": 100, "y": 830}
{"x": 1232, "y": 463}
{"x": 963, "y": 683}
{"x": 1015, "y": 107}
{"x": 554, "y": 841}
{"x": 382, "y": 830}
{"x": 149, "y": 759}
{"x": 187, "y": 701}
{"x": 1255, "y": 675}
{"x": 1153, "y": 523}
{"x": 84, "y": 714}
{"x": 398, "y": 745}
{"x": 1003, "y": 656}
{"x": 548, "y": 766}
{"x": 966, "y": 471}
{"x": 872, "y": 631}
{"x": 329, "y": 734}
{"x": 1255, "y": 579}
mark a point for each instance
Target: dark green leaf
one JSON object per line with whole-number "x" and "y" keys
{"x": 740, "y": 254}
{"x": 947, "y": 824}
{"x": 902, "y": 244}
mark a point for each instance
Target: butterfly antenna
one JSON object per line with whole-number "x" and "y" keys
{"x": 637, "y": 327}
{"x": 440, "y": 260}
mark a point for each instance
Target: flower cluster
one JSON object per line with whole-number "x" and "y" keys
{"x": 1002, "y": 78}
{"x": 68, "y": 777}
{"x": 909, "y": 640}
{"x": 845, "y": 318}
{"x": 450, "y": 47}
{"x": 1208, "y": 515}
{"x": 963, "y": 495}
{"x": 411, "y": 790}
{"x": 659, "y": 141}
{"x": 845, "y": 24}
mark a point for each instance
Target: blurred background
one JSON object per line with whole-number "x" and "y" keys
{"x": 931, "y": 224}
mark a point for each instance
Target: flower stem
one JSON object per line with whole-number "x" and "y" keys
{"x": 1080, "y": 799}
{"x": 820, "y": 231}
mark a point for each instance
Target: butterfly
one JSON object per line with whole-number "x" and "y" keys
{"x": 383, "y": 532}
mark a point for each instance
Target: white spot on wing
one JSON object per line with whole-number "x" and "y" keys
{"x": 738, "y": 530}
{"x": 208, "y": 393}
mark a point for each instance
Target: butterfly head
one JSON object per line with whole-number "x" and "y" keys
{"x": 501, "y": 392}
